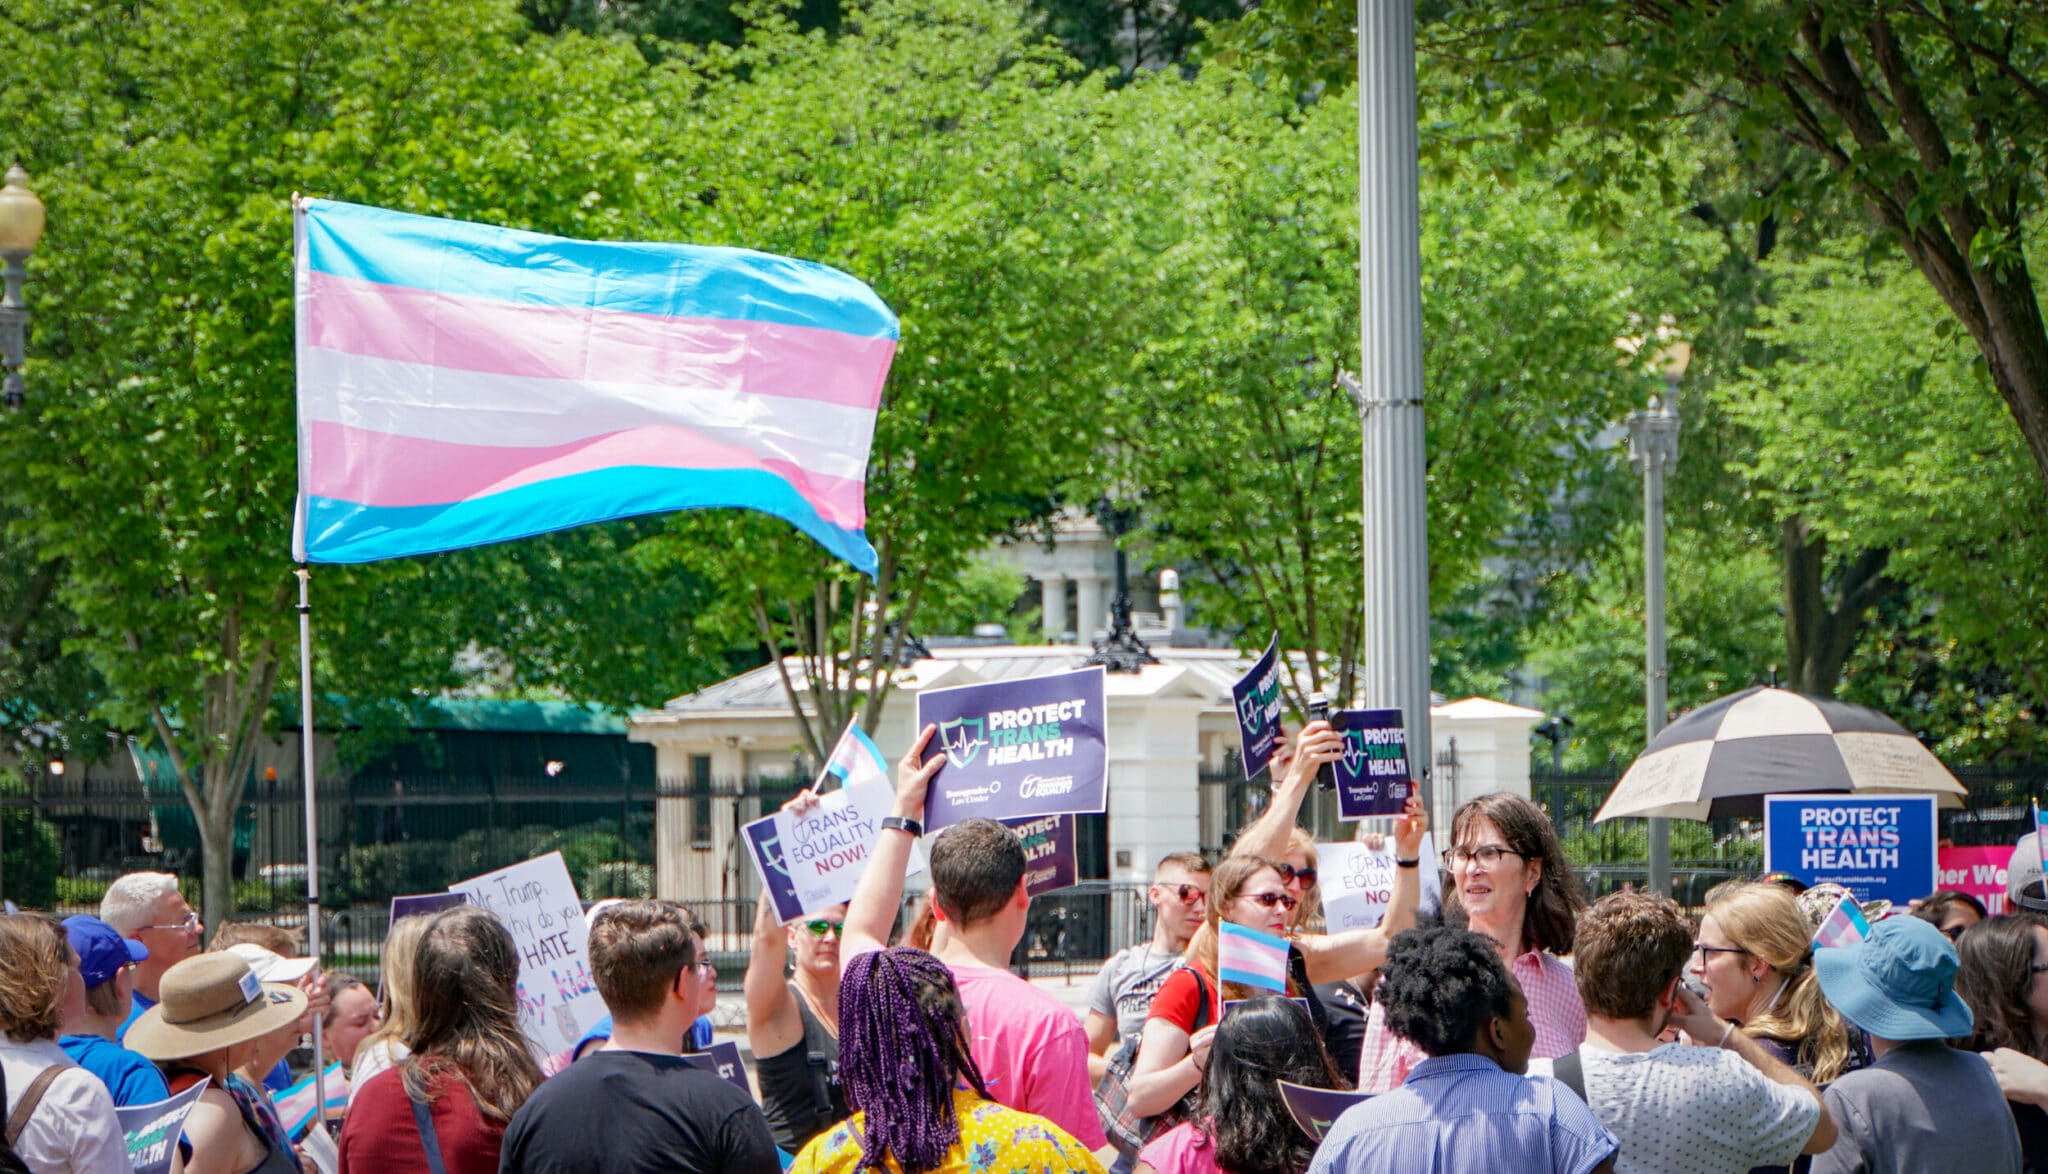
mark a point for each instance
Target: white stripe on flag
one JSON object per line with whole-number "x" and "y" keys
{"x": 1247, "y": 956}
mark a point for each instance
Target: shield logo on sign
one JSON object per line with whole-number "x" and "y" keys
{"x": 962, "y": 740}
{"x": 1248, "y": 708}
{"x": 1354, "y": 752}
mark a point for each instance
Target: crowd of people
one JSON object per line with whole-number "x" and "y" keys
{"x": 1515, "y": 1026}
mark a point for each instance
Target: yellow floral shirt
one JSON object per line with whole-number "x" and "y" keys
{"x": 993, "y": 1140}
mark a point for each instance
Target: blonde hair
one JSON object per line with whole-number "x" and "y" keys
{"x": 35, "y": 965}
{"x": 1765, "y": 921}
{"x": 1225, "y": 885}
{"x": 396, "y": 1006}
{"x": 1308, "y": 916}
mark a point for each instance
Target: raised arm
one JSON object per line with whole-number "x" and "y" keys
{"x": 773, "y": 1022}
{"x": 1267, "y": 835}
{"x": 880, "y": 892}
{"x": 1331, "y": 957}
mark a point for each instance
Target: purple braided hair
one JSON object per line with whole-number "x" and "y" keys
{"x": 903, "y": 1047}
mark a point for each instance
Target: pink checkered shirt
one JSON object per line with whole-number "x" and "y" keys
{"x": 1554, "y": 1008}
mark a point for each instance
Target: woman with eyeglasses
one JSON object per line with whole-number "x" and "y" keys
{"x": 793, "y": 1022}
{"x": 2003, "y": 976}
{"x": 1753, "y": 958}
{"x": 1951, "y": 912}
{"x": 1509, "y": 881}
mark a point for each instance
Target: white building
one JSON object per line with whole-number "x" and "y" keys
{"x": 1166, "y": 725}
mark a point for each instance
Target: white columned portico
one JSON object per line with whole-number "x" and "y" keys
{"x": 1091, "y": 615}
{"x": 1053, "y": 604}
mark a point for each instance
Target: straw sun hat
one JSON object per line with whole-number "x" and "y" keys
{"x": 212, "y": 1001}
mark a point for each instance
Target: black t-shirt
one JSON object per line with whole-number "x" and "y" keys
{"x": 635, "y": 1111}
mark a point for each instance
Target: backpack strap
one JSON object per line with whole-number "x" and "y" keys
{"x": 30, "y": 1098}
{"x": 1570, "y": 1072}
{"x": 430, "y": 1140}
{"x": 1202, "y": 994}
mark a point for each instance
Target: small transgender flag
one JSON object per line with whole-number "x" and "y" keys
{"x": 295, "y": 1104}
{"x": 1252, "y": 958}
{"x": 2039, "y": 827}
{"x": 1846, "y": 926}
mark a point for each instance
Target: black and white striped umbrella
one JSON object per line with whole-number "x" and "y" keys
{"x": 1722, "y": 757}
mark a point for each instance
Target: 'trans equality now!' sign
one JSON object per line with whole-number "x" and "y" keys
{"x": 1879, "y": 846}
{"x": 1017, "y": 749}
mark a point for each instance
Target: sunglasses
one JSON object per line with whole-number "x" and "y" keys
{"x": 820, "y": 928}
{"x": 1190, "y": 894}
{"x": 1268, "y": 900}
{"x": 1290, "y": 875}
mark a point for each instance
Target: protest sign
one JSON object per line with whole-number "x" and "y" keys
{"x": 812, "y": 861}
{"x": 1357, "y": 882}
{"x": 724, "y": 1060}
{"x": 424, "y": 905}
{"x": 152, "y": 1131}
{"x": 1017, "y": 749}
{"x": 537, "y": 902}
{"x": 1880, "y": 846}
{"x": 1049, "y": 859}
{"x": 1257, "y": 694}
{"x": 1980, "y": 872}
{"x": 1316, "y": 1109}
{"x": 1373, "y": 777}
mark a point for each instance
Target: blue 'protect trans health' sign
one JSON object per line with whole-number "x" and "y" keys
{"x": 1017, "y": 749}
{"x": 1878, "y": 846}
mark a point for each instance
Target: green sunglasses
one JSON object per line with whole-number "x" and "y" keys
{"x": 820, "y": 928}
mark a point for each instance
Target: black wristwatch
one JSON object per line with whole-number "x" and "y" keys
{"x": 902, "y": 825}
{"x": 1398, "y": 862}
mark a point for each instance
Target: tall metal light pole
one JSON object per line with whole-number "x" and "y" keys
{"x": 1653, "y": 449}
{"x": 1388, "y": 390}
{"x": 21, "y": 226}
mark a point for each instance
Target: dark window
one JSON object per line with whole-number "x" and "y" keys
{"x": 700, "y": 801}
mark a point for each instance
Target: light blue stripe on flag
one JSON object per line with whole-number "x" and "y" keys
{"x": 1247, "y": 956}
{"x": 534, "y": 269}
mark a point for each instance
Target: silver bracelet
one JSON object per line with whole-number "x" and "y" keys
{"x": 1725, "y": 1033}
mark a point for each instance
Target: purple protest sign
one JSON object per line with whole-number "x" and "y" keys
{"x": 1316, "y": 1109}
{"x": 1373, "y": 777}
{"x": 1049, "y": 859}
{"x": 764, "y": 840}
{"x": 1017, "y": 749}
{"x": 1257, "y": 694}
{"x": 724, "y": 1060}
{"x": 425, "y": 904}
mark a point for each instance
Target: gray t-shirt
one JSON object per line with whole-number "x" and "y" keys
{"x": 1124, "y": 987}
{"x": 1921, "y": 1106}
{"x": 1682, "y": 1108}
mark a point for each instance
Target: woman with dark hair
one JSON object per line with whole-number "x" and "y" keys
{"x": 1950, "y": 911}
{"x": 920, "y": 1103}
{"x": 470, "y": 1067}
{"x": 1509, "y": 881}
{"x": 1245, "y": 1127}
{"x": 2003, "y": 976}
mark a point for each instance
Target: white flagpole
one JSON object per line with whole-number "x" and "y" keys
{"x": 305, "y": 577}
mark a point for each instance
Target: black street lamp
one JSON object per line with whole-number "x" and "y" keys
{"x": 1120, "y": 650}
{"x": 21, "y": 226}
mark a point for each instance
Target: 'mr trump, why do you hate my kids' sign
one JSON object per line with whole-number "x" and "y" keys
{"x": 537, "y": 901}
{"x": 1879, "y": 846}
{"x": 1017, "y": 749}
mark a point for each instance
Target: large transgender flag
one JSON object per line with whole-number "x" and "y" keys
{"x": 461, "y": 384}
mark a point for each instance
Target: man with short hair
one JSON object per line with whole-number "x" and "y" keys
{"x": 1721, "y": 1102}
{"x": 1921, "y": 1105}
{"x": 636, "y": 1104}
{"x": 1123, "y": 990}
{"x": 147, "y": 906}
{"x": 94, "y": 1011}
{"x": 1468, "y": 1106}
{"x": 1028, "y": 1044}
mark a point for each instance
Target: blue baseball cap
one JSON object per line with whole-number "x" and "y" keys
{"x": 1899, "y": 983}
{"x": 102, "y": 951}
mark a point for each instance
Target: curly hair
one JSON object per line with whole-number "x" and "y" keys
{"x": 1259, "y": 1044}
{"x": 902, "y": 1048}
{"x": 1996, "y": 968}
{"x": 1764, "y": 920}
{"x": 465, "y": 975}
{"x": 1555, "y": 904}
{"x": 35, "y": 964}
{"x": 1441, "y": 985}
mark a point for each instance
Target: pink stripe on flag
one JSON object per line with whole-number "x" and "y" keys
{"x": 1245, "y": 955}
{"x": 727, "y": 355}
{"x": 1844, "y": 925}
{"x": 380, "y": 469}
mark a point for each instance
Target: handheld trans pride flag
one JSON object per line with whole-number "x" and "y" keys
{"x": 1255, "y": 959}
{"x": 460, "y": 384}
{"x": 1845, "y": 926}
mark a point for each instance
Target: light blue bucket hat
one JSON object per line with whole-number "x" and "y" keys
{"x": 1898, "y": 984}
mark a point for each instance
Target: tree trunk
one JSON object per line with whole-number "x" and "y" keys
{"x": 1823, "y": 613}
{"x": 216, "y": 859}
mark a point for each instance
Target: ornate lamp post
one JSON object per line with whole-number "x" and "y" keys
{"x": 1653, "y": 449}
{"x": 21, "y": 226}
{"x": 1120, "y": 650}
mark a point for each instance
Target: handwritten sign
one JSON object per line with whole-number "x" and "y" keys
{"x": 723, "y": 1059}
{"x": 1257, "y": 695}
{"x": 1357, "y": 882}
{"x": 1017, "y": 749}
{"x": 1373, "y": 777}
{"x": 536, "y": 900}
{"x": 1049, "y": 859}
{"x": 813, "y": 861}
{"x": 151, "y": 1131}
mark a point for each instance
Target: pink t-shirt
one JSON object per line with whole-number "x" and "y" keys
{"x": 1031, "y": 1049}
{"x": 1554, "y": 1009}
{"x": 1184, "y": 1149}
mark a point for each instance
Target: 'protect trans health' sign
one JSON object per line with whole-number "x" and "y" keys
{"x": 1879, "y": 846}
